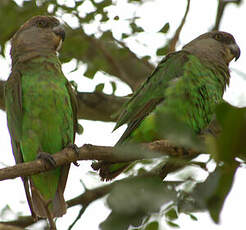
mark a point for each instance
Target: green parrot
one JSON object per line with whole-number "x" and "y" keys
{"x": 186, "y": 85}
{"x": 41, "y": 111}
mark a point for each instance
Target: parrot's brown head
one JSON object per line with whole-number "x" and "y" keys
{"x": 40, "y": 34}
{"x": 215, "y": 47}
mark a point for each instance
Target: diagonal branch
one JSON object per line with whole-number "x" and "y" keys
{"x": 92, "y": 152}
{"x": 174, "y": 40}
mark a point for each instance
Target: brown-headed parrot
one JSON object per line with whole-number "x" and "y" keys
{"x": 186, "y": 85}
{"x": 41, "y": 110}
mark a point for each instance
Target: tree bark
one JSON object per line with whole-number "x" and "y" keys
{"x": 9, "y": 227}
{"x": 92, "y": 152}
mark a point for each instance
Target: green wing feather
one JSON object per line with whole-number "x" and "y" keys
{"x": 142, "y": 103}
{"x": 151, "y": 93}
{"x": 14, "y": 112}
{"x": 13, "y": 101}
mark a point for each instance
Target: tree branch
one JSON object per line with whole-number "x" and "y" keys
{"x": 105, "y": 55}
{"x": 92, "y": 152}
{"x": 132, "y": 54}
{"x": 220, "y": 11}
{"x": 90, "y": 195}
{"x": 174, "y": 40}
{"x": 99, "y": 106}
{"x": 9, "y": 227}
{"x": 87, "y": 152}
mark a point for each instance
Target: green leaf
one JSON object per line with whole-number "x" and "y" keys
{"x": 80, "y": 129}
{"x": 146, "y": 58}
{"x": 231, "y": 142}
{"x": 171, "y": 214}
{"x": 89, "y": 17}
{"x": 152, "y": 226}
{"x": 212, "y": 193}
{"x": 124, "y": 35}
{"x": 134, "y": 199}
{"x": 99, "y": 87}
{"x": 162, "y": 51}
{"x": 193, "y": 217}
{"x": 165, "y": 28}
{"x": 170, "y": 223}
{"x": 104, "y": 17}
{"x": 107, "y": 35}
{"x": 90, "y": 72}
{"x": 136, "y": 28}
{"x": 102, "y": 4}
{"x": 113, "y": 84}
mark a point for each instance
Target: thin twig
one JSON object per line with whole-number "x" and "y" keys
{"x": 174, "y": 40}
{"x": 220, "y": 11}
{"x": 81, "y": 212}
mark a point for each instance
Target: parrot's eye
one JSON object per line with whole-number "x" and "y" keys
{"x": 42, "y": 24}
{"x": 218, "y": 37}
{"x": 56, "y": 24}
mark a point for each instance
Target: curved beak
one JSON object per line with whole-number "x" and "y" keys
{"x": 235, "y": 50}
{"x": 59, "y": 30}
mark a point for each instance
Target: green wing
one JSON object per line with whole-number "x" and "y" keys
{"x": 74, "y": 104}
{"x": 151, "y": 93}
{"x": 13, "y": 104}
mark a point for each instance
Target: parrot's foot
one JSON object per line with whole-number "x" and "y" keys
{"x": 75, "y": 149}
{"x": 47, "y": 158}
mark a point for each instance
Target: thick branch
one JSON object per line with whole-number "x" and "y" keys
{"x": 92, "y": 152}
{"x": 9, "y": 227}
{"x": 99, "y": 153}
{"x": 99, "y": 106}
{"x": 92, "y": 106}
{"x": 90, "y": 195}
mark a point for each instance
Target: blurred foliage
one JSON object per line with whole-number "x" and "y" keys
{"x": 143, "y": 201}
{"x": 100, "y": 51}
{"x": 134, "y": 202}
{"x": 151, "y": 194}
